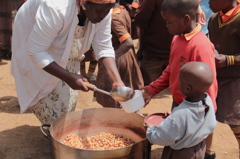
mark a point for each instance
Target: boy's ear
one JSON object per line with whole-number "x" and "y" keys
{"x": 189, "y": 87}
{"x": 186, "y": 19}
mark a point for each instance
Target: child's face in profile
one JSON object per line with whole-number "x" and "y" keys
{"x": 218, "y": 5}
{"x": 175, "y": 24}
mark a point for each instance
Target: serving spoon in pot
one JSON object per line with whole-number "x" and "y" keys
{"x": 120, "y": 94}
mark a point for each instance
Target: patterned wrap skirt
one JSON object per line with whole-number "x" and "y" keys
{"x": 62, "y": 99}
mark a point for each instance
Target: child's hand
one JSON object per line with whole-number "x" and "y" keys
{"x": 147, "y": 125}
{"x": 166, "y": 114}
{"x": 221, "y": 61}
{"x": 146, "y": 95}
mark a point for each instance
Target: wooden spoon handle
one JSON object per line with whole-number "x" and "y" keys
{"x": 89, "y": 85}
{"x": 94, "y": 88}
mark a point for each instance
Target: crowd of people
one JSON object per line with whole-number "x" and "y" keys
{"x": 189, "y": 46}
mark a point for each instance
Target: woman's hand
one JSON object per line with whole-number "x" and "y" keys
{"x": 146, "y": 96}
{"x": 76, "y": 82}
{"x": 221, "y": 61}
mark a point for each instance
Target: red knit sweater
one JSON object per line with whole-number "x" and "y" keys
{"x": 198, "y": 48}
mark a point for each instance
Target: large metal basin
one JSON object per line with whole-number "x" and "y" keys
{"x": 89, "y": 122}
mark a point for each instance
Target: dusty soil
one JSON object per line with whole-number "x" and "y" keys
{"x": 21, "y": 138}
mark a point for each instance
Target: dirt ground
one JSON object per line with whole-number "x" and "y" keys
{"x": 21, "y": 138}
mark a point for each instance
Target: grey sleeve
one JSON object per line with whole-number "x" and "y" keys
{"x": 167, "y": 133}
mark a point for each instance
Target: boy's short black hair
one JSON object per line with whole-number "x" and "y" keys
{"x": 181, "y": 7}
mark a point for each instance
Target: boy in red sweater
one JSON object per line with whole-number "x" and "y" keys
{"x": 188, "y": 44}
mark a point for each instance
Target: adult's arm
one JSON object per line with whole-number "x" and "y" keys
{"x": 75, "y": 81}
{"x": 102, "y": 45}
{"x": 110, "y": 68}
{"x": 48, "y": 24}
{"x": 46, "y": 28}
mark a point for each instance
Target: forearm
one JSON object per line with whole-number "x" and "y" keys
{"x": 57, "y": 71}
{"x": 110, "y": 68}
{"x": 164, "y": 134}
{"x": 236, "y": 59}
{"x": 227, "y": 60}
{"x": 156, "y": 87}
{"x": 75, "y": 81}
{"x": 155, "y": 137}
{"x": 124, "y": 47}
{"x": 160, "y": 84}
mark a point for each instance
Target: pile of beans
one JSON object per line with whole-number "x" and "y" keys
{"x": 104, "y": 141}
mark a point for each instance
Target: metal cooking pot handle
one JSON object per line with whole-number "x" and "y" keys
{"x": 42, "y": 128}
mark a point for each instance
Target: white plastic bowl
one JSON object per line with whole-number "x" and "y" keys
{"x": 134, "y": 104}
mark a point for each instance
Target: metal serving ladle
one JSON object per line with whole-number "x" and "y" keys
{"x": 120, "y": 94}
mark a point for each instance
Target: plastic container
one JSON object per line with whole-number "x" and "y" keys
{"x": 134, "y": 104}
